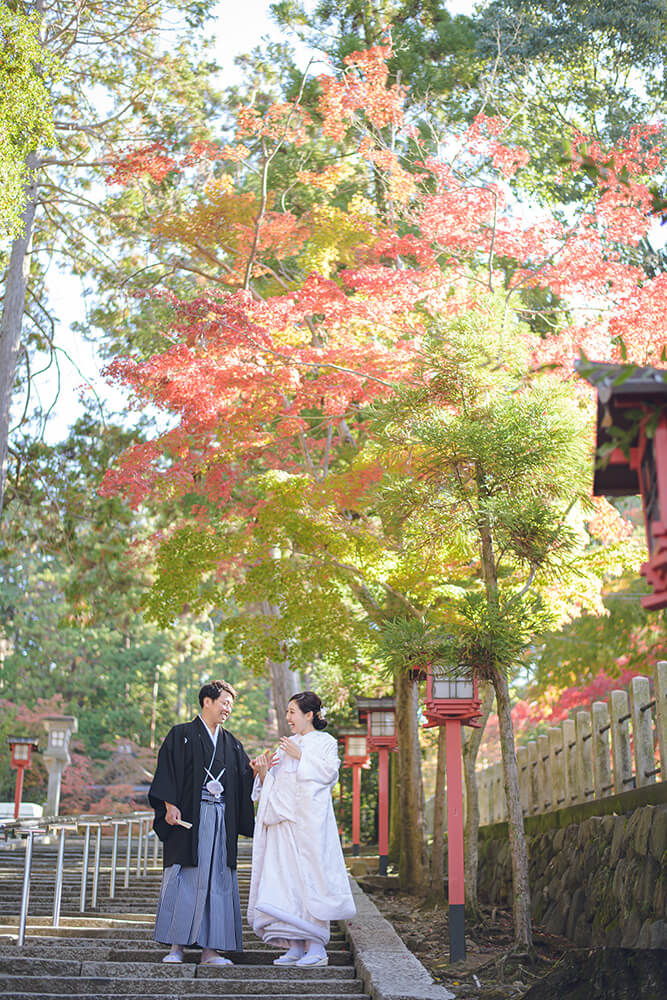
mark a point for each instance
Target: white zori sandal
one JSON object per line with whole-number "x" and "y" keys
{"x": 174, "y": 957}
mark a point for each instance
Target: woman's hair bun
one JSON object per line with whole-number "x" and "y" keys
{"x": 308, "y": 701}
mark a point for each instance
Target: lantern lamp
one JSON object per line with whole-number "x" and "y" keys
{"x": 632, "y": 408}
{"x": 56, "y": 756}
{"x": 355, "y": 744}
{"x": 380, "y": 716}
{"x": 356, "y": 757}
{"x": 21, "y": 747}
{"x": 451, "y": 693}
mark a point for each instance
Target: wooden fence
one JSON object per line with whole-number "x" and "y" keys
{"x": 618, "y": 745}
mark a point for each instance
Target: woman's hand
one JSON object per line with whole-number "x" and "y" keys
{"x": 260, "y": 766}
{"x": 290, "y": 748}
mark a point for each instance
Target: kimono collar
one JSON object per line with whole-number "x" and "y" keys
{"x": 213, "y": 738}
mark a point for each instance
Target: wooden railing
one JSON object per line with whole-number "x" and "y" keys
{"x": 618, "y": 745}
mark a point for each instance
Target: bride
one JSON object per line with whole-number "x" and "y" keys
{"x": 299, "y": 881}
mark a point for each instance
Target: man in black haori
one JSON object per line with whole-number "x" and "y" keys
{"x": 201, "y": 797}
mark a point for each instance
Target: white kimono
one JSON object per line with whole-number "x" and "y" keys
{"x": 299, "y": 881}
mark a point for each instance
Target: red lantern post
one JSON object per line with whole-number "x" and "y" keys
{"x": 380, "y": 715}
{"x": 22, "y": 747}
{"x": 356, "y": 757}
{"x": 452, "y": 701}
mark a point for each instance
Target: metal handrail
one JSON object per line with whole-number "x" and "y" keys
{"x": 31, "y": 827}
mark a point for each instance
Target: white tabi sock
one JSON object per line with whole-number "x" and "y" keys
{"x": 295, "y": 950}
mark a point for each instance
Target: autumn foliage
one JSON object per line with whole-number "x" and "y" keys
{"x": 308, "y": 310}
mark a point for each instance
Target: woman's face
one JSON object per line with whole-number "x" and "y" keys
{"x": 297, "y": 721}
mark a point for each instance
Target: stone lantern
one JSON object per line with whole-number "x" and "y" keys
{"x": 56, "y": 756}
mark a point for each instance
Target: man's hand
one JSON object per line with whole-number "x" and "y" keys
{"x": 173, "y": 814}
{"x": 260, "y": 766}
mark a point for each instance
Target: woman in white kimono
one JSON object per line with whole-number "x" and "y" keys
{"x": 299, "y": 881}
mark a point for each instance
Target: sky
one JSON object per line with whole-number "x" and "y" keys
{"x": 239, "y": 27}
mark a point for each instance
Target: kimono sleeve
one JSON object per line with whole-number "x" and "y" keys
{"x": 165, "y": 784}
{"x": 246, "y": 782}
{"x": 319, "y": 762}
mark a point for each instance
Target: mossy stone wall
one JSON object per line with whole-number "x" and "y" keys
{"x": 601, "y": 881}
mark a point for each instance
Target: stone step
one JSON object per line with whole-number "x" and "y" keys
{"x": 215, "y": 984}
{"x": 26, "y": 965}
{"x": 27, "y": 995}
{"x": 339, "y": 957}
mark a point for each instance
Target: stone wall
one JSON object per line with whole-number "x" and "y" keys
{"x": 598, "y": 880}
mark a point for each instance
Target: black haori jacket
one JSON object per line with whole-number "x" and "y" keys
{"x": 179, "y": 776}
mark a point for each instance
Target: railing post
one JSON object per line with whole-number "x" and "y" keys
{"x": 584, "y": 756}
{"x": 139, "y": 847}
{"x": 642, "y": 730}
{"x": 84, "y": 868}
{"x": 156, "y": 847}
{"x": 531, "y": 747}
{"x": 601, "y": 754}
{"x": 58, "y": 891}
{"x": 25, "y": 894}
{"x": 660, "y": 688}
{"x": 524, "y": 778}
{"x": 146, "y": 834}
{"x": 544, "y": 773}
{"x": 570, "y": 762}
{"x": 499, "y": 793}
{"x": 96, "y": 872}
{"x": 128, "y": 854}
{"x": 620, "y": 741}
{"x": 114, "y": 861}
{"x": 558, "y": 776}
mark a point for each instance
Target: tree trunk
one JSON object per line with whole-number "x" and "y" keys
{"x": 471, "y": 742}
{"x": 394, "y": 856}
{"x": 439, "y": 817}
{"x": 413, "y": 866}
{"x": 284, "y": 683}
{"x": 523, "y": 937}
{"x": 11, "y": 323}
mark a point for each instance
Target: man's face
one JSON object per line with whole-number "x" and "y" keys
{"x": 217, "y": 712}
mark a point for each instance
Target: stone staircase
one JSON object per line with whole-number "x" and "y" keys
{"x": 109, "y": 951}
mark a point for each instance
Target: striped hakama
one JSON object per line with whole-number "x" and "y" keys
{"x": 201, "y": 906}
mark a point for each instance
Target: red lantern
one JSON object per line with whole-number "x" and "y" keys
{"x": 451, "y": 694}
{"x": 356, "y": 747}
{"x": 356, "y": 757}
{"x": 22, "y": 747}
{"x": 632, "y": 403}
{"x": 380, "y": 716}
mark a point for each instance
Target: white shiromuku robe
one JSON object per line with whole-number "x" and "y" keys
{"x": 299, "y": 881}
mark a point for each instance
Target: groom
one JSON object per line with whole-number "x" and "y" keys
{"x": 201, "y": 797}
